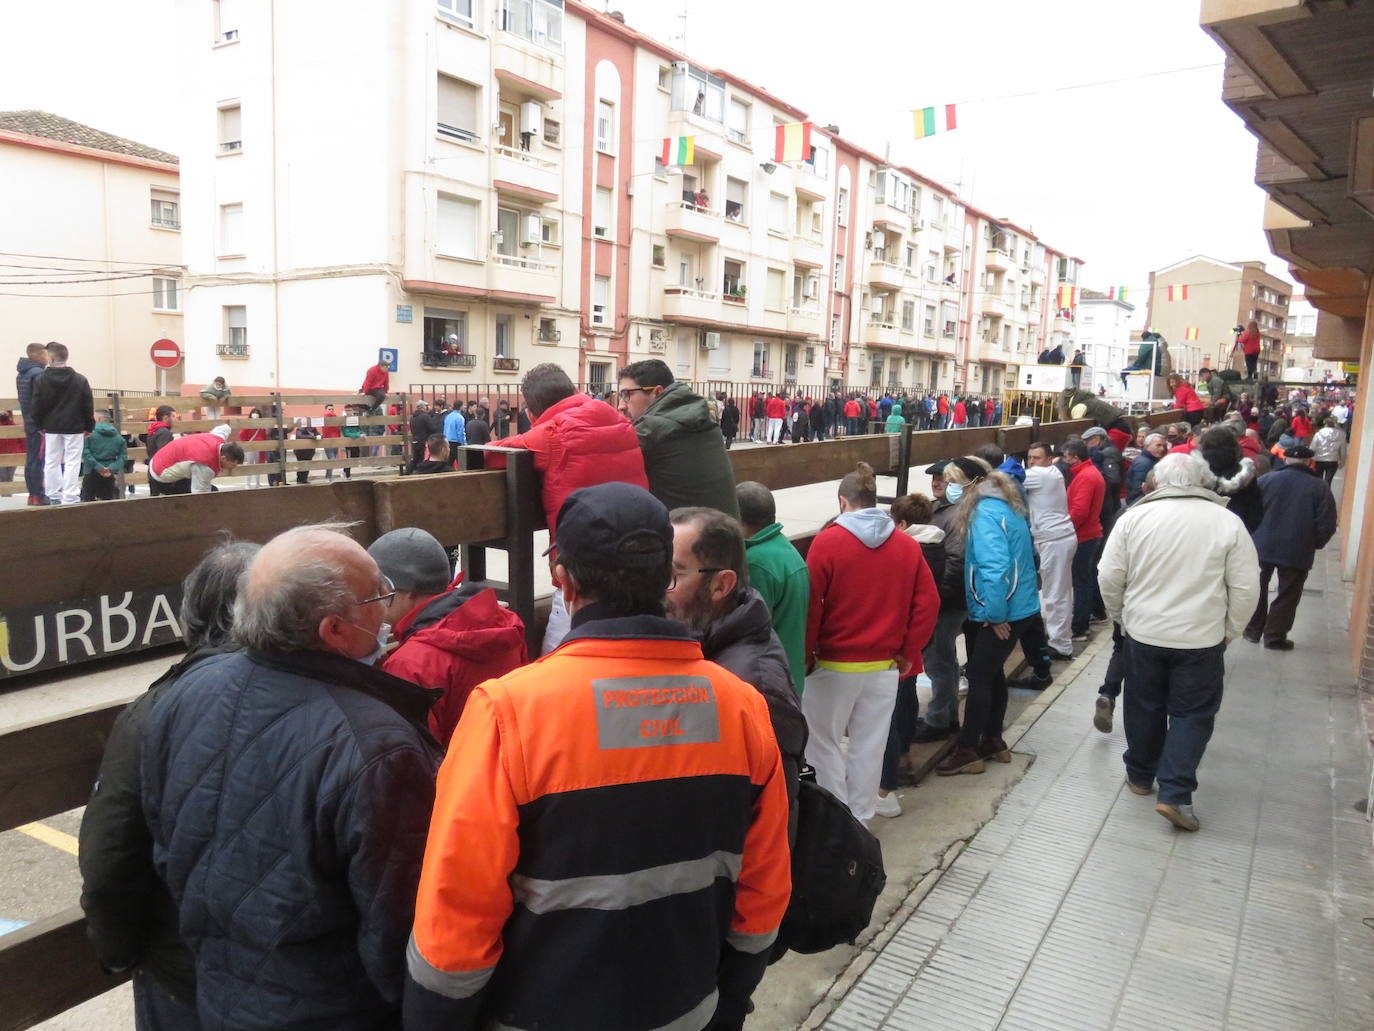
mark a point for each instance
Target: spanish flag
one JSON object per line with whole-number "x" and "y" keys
{"x": 1068, "y": 297}
{"x": 1178, "y": 293}
{"x": 680, "y": 150}
{"x": 930, "y": 120}
{"x": 1192, "y": 332}
{"x": 792, "y": 142}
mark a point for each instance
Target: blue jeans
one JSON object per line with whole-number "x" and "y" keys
{"x": 1084, "y": 582}
{"x": 33, "y": 459}
{"x": 941, "y": 661}
{"x": 1172, "y": 698}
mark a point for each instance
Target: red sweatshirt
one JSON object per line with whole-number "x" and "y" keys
{"x": 1087, "y": 488}
{"x": 776, "y": 408}
{"x": 869, "y": 604}
{"x": 377, "y": 378}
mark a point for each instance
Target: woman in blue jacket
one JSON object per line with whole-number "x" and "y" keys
{"x": 1002, "y": 595}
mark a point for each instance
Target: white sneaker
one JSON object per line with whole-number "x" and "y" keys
{"x": 888, "y": 806}
{"x": 963, "y": 686}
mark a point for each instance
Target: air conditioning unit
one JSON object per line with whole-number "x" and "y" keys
{"x": 531, "y": 117}
{"x": 680, "y": 66}
{"x": 920, "y": 223}
{"x": 710, "y": 341}
{"x": 879, "y": 238}
{"x": 813, "y": 288}
{"x": 533, "y": 227}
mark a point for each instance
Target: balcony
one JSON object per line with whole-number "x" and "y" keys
{"x": 996, "y": 305}
{"x": 685, "y": 303}
{"x": 443, "y": 360}
{"x": 524, "y": 175}
{"x": 880, "y": 331}
{"x": 231, "y": 350}
{"x": 996, "y": 258}
{"x": 890, "y": 219}
{"x": 804, "y": 320}
{"x": 505, "y": 364}
{"x": 808, "y": 250}
{"x": 710, "y": 135}
{"x": 686, "y": 220}
{"x": 517, "y": 278}
{"x": 885, "y": 276}
{"x": 1037, "y": 274}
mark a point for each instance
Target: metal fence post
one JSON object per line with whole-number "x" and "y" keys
{"x": 281, "y": 438}
{"x": 407, "y": 444}
{"x": 117, "y": 414}
{"x": 904, "y": 462}
{"x": 522, "y": 506}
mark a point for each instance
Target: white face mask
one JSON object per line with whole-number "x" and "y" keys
{"x": 383, "y": 635}
{"x": 953, "y": 492}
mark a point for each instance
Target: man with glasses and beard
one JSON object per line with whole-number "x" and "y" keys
{"x": 710, "y": 592}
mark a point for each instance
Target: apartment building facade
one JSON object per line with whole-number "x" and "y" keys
{"x": 1104, "y": 337}
{"x": 504, "y": 200}
{"x": 90, "y": 228}
{"x": 1213, "y": 297}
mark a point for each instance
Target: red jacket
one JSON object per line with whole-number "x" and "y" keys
{"x": 942, "y": 405}
{"x": 376, "y": 379}
{"x": 201, "y": 448}
{"x": 776, "y": 408}
{"x": 1301, "y": 427}
{"x": 1249, "y": 446}
{"x": 578, "y": 442}
{"x": 1186, "y": 398}
{"x": 869, "y": 604}
{"x": 455, "y": 641}
{"x": 960, "y": 412}
{"x": 851, "y": 409}
{"x": 1249, "y": 343}
{"x": 1087, "y": 488}
{"x": 872, "y": 408}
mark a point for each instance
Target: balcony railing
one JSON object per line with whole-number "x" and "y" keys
{"x": 167, "y": 221}
{"x": 687, "y": 291}
{"x": 528, "y": 264}
{"x": 443, "y": 360}
{"x": 231, "y": 350}
{"x": 505, "y": 365}
{"x": 686, "y": 205}
{"x": 805, "y": 313}
{"x": 881, "y": 322}
{"x": 517, "y": 154}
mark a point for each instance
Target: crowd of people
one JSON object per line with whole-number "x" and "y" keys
{"x": 359, "y": 800}
{"x": 779, "y": 417}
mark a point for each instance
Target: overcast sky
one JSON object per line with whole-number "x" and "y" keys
{"x": 1129, "y": 176}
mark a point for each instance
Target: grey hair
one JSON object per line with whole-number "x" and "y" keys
{"x": 1155, "y": 436}
{"x": 285, "y": 616}
{"x": 1180, "y": 471}
{"x": 209, "y": 591}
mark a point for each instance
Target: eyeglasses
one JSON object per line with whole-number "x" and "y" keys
{"x": 625, "y": 394}
{"x": 388, "y": 592}
{"x": 672, "y": 584}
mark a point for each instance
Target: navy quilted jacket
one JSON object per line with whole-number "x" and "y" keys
{"x": 289, "y": 797}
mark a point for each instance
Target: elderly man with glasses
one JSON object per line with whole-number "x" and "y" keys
{"x": 288, "y": 788}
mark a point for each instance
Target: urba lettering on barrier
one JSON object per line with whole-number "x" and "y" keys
{"x": 75, "y": 631}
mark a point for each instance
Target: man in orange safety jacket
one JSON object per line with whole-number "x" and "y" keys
{"x": 609, "y": 841}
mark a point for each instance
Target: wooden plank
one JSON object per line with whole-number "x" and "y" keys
{"x": 794, "y": 465}
{"x": 49, "y": 767}
{"x": 47, "y": 968}
{"x": 458, "y": 508}
{"x": 1014, "y": 440}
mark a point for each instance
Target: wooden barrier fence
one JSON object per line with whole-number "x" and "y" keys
{"x": 48, "y": 767}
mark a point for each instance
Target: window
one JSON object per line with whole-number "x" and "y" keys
{"x": 908, "y": 316}
{"x": 777, "y": 213}
{"x": 457, "y": 227}
{"x": 660, "y": 255}
{"x": 928, "y": 326}
{"x": 230, "y": 229}
{"x": 236, "y": 330}
{"x": 839, "y": 272}
{"x": 501, "y": 343}
{"x": 548, "y": 232}
{"x": 458, "y": 109}
{"x": 1061, "y": 269}
{"x": 605, "y": 127}
{"x": 684, "y": 354}
{"x": 938, "y": 210}
{"x": 226, "y": 21}
{"x": 718, "y": 359}
{"x": 736, "y": 200}
{"x": 790, "y": 354}
{"x": 459, "y": 11}
{"x": 601, "y": 301}
{"x": 601, "y": 213}
{"x": 446, "y": 331}
{"x": 166, "y": 209}
{"x": 164, "y": 294}
{"x": 539, "y": 21}
{"x": 230, "y": 129}
{"x": 819, "y": 159}
{"x": 776, "y": 296}
{"x": 950, "y": 318}
{"x": 732, "y": 284}
{"x": 834, "y": 332}
{"x": 842, "y": 209}
{"x": 738, "y": 125}
{"x": 507, "y": 231}
{"x": 553, "y": 133}
{"x": 910, "y": 257}
{"x": 665, "y": 78}
{"x": 760, "y": 366}
{"x": 699, "y": 92}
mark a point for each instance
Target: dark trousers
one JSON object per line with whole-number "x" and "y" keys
{"x": 1172, "y": 698}
{"x": 1251, "y": 363}
{"x": 900, "y": 732}
{"x": 157, "y": 1009}
{"x": 1035, "y": 645}
{"x": 1273, "y": 621}
{"x": 1116, "y": 665}
{"x": 1084, "y": 582}
{"x": 33, "y": 459}
{"x": 985, "y": 708}
{"x": 95, "y": 487}
{"x": 417, "y": 452}
{"x": 1327, "y": 471}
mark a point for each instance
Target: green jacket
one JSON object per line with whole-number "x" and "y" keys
{"x": 1101, "y": 413}
{"x": 894, "y": 422}
{"x": 684, "y": 453}
{"x": 104, "y": 449}
{"x": 778, "y": 572}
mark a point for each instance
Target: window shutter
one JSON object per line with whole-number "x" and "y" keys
{"x": 457, "y": 229}
{"x": 458, "y": 105}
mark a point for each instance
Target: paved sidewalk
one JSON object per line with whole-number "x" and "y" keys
{"x": 1078, "y": 907}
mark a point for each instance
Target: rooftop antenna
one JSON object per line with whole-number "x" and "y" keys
{"x": 683, "y": 34}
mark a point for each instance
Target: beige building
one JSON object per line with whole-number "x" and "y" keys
{"x": 1214, "y": 297}
{"x": 90, "y": 245}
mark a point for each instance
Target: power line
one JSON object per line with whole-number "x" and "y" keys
{"x": 1091, "y": 85}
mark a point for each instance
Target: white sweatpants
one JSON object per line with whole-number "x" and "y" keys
{"x": 774, "y": 430}
{"x": 1056, "y": 590}
{"x": 859, "y": 706}
{"x": 62, "y": 467}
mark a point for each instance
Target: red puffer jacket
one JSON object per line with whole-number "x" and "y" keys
{"x": 578, "y": 442}
{"x": 455, "y": 641}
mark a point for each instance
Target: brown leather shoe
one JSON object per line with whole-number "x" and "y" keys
{"x": 996, "y": 749}
{"x": 961, "y": 760}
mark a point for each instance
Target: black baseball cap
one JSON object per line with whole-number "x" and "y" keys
{"x": 596, "y": 523}
{"x": 938, "y": 469}
{"x": 1302, "y": 451}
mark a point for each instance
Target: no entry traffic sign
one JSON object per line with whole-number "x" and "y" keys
{"x": 165, "y": 354}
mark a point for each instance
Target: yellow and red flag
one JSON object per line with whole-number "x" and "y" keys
{"x": 792, "y": 142}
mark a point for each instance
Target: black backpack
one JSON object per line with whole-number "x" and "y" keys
{"x": 837, "y": 873}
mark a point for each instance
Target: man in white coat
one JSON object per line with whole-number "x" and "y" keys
{"x": 1180, "y": 599}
